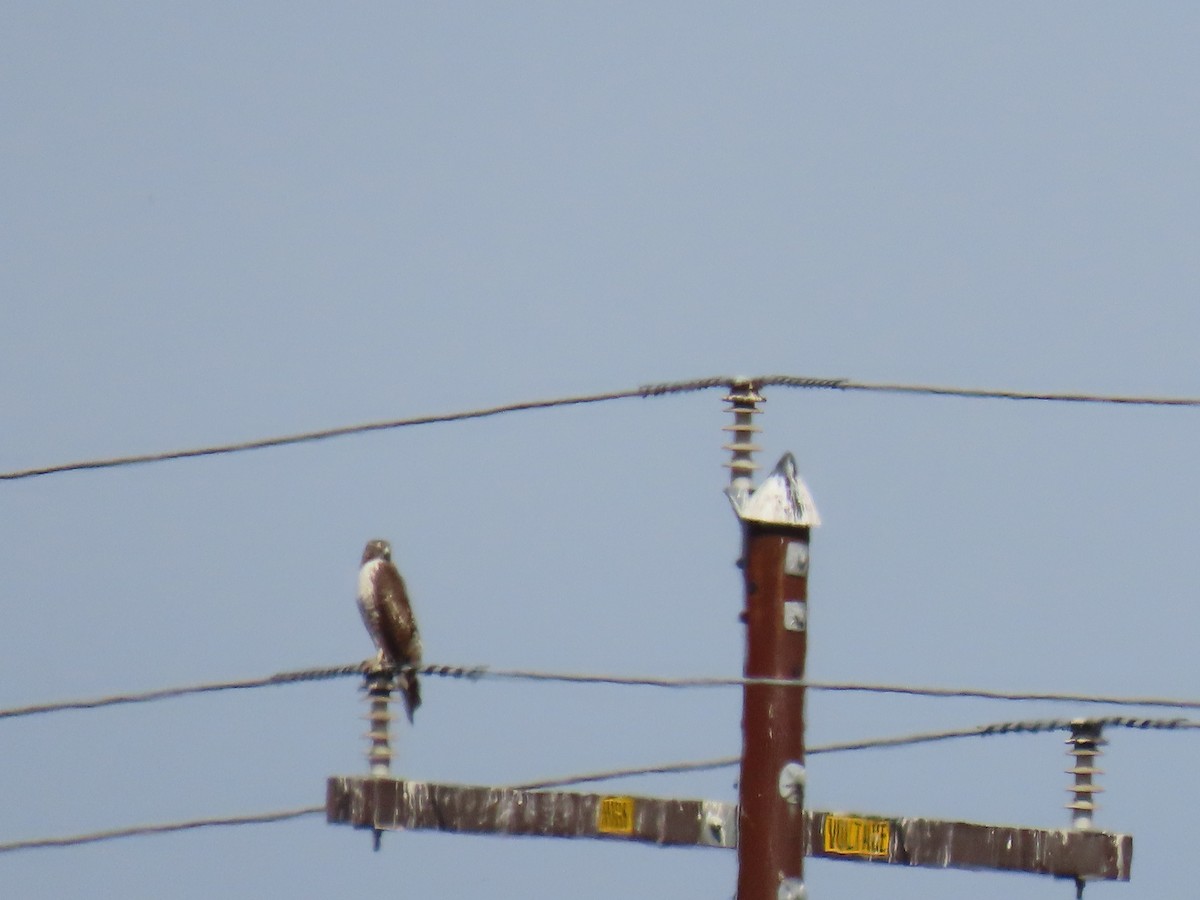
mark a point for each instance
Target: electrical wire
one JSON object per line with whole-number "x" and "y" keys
{"x": 480, "y": 672}
{"x": 342, "y": 431}
{"x": 931, "y": 390}
{"x": 319, "y": 674}
{"x": 476, "y": 673}
{"x": 163, "y": 828}
{"x": 648, "y": 390}
{"x": 995, "y": 728}
{"x": 1037, "y": 726}
{"x": 984, "y": 694}
{"x": 612, "y": 774}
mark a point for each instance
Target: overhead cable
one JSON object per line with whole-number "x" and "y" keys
{"x": 342, "y": 431}
{"x": 866, "y": 687}
{"x": 648, "y": 390}
{"x": 931, "y": 390}
{"x": 995, "y": 728}
{"x": 163, "y": 828}
{"x": 612, "y": 774}
{"x": 319, "y": 674}
{"x": 475, "y": 673}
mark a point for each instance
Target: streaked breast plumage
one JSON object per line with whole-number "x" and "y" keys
{"x": 387, "y": 613}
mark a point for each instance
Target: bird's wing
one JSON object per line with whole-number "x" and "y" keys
{"x": 398, "y": 625}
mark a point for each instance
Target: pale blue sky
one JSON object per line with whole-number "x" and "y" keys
{"x": 236, "y": 220}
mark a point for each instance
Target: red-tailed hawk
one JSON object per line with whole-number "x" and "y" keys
{"x": 383, "y": 602}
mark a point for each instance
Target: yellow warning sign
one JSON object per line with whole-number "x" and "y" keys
{"x": 851, "y": 836}
{"x": 615, "y": 815}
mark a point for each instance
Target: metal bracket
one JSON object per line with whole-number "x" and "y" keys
{"x": 795, "y": 615}
{"x": 795, "y": 559}
{"x": 792, "y": 779}
{"x": 718, "y": 824}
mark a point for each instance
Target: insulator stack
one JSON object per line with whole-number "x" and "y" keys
{"x": 379, "y": 687}
{"x": 1085, "y": 743}
{"x": 743, "y": 400}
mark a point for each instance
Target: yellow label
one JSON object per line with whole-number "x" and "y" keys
{"x": 857, "y": 837}
{"x": 615, "y": 816}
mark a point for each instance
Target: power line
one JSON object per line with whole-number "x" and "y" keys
{"x": 865, "y": 687}
{"x": 294, "y": 677}
{"x": 649, "y": 390}
{"x": 163, "y": 828}
{"x": 476, "y": 673}
{"x": 985, "y": 694}
{"x": 612, "y": 774}
{"x": 995, "y": 728}
{"x": 323, "y": 434}
{"x": 1000, "y": 394}
{"x": 1037, "y": 726}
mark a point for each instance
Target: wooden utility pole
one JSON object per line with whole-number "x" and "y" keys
{"x": 771, "y": 822}
{"x": 776, "y": 523}
{"x": 769, "y": 826}
{"x": 777, "y": 518}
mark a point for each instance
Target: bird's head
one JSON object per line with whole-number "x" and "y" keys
{"x": 377, "y": 549}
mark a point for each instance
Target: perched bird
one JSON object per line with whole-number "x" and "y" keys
{"x": 383, "y": 602}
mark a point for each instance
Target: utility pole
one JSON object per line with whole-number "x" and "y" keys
{"x": 776, "y": 520}
{"x": 769, "y": 826}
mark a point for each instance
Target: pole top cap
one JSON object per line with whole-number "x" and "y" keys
{"x": 782, "y": 499}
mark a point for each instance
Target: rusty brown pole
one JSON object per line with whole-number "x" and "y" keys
{"x": 771, "y": 822}
{"x": 776, "y": 523}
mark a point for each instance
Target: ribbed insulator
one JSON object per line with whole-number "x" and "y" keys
{"x": 379, "y": 686}
{"x": 743, "y": 402}
{"x": 1084, "y": 746}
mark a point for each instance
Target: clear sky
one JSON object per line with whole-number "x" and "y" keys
{"x": 223, "y": 221}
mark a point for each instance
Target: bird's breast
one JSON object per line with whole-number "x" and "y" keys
{"x": 366, "y": 580}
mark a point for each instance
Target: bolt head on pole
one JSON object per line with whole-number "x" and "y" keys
{"x": 792, "y": 778}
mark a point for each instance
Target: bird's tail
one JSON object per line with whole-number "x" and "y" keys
{"x": 410, "y": 687}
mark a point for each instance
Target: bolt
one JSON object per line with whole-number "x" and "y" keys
{"x": 792, "y": 779}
